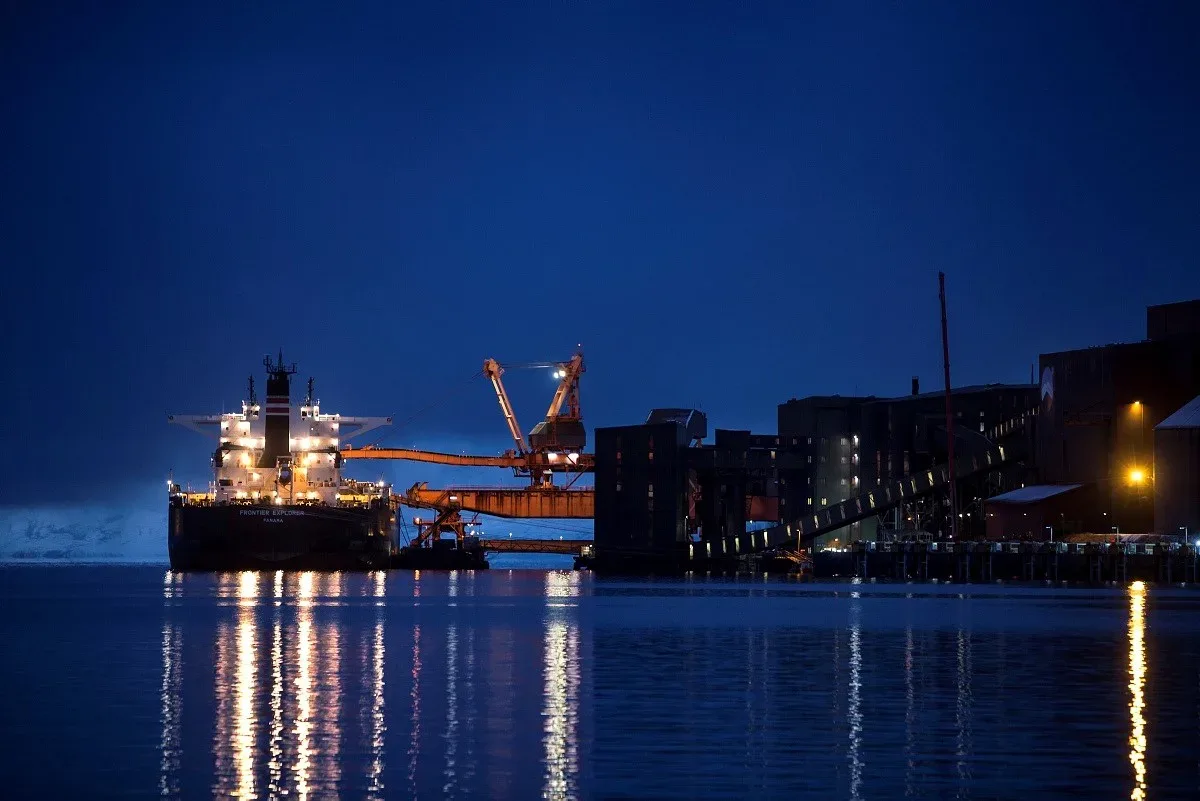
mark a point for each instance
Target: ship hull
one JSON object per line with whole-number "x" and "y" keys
{"x": 241, "y": 537}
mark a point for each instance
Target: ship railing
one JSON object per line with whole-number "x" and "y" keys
{"x": 194, "y": 498}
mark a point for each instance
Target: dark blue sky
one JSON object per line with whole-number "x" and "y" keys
{"x": 727, "y": 204}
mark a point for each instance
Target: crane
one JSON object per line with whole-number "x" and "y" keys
{"x": 557, "y": 441}
{"x": 493, "y": 370}
{"x": 554, "y": 445}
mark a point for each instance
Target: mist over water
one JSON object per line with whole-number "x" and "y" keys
{"x": 132, "y": 528}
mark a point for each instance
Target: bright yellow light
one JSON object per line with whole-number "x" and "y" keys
{"x": 1137, "y": 475}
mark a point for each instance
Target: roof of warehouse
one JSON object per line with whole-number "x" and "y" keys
{"x": 1034, "y": 493}
{"x": 1186, "y": 417}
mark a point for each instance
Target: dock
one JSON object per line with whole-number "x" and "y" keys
{"x": 988, "y": 562}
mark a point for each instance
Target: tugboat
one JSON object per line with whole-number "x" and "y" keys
{"x": 278, "y": 500}
{"x": 444, "y": 543}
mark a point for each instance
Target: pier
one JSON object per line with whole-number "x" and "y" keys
{"x": 986, "y": 562}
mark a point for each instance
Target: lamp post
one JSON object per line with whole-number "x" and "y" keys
{"x": 1051, "y": 530}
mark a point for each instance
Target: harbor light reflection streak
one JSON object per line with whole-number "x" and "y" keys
{"x": 560, "y": 715}
{"x": 246, "y": 681}
{"x": 378, "y": 723}
{"x": 169, "y": 743}
{"x": 854, "y": 702}
{"x": 304, "y": 683}
{"x": 1137, "y": 685}
{"x": 275, "y": 758}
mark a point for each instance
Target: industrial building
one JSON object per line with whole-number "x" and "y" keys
{"x": 1100, "y": 406}
{"x": 828, "y": 427}
{"x": 1038, "y": 512}
{"x": 642, "y": 496}
{"x": 853, "y": 468}
{"x": 1177, "y": 472}
{"x": 658, "y": 487}
{"x": 862, "y": 443}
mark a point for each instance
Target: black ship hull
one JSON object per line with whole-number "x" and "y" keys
{"x": 245, "y": 537}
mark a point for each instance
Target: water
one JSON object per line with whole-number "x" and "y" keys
{"x": 131, "y": 681}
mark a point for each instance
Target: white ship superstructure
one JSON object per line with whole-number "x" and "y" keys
{"x": 282, "y": 453}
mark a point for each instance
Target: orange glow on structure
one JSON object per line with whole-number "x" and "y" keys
{"x": 1137, "y": 475}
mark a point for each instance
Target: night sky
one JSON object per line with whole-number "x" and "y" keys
{"x": 727, "y": 204}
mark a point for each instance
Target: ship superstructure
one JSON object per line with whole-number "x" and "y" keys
{"x": 277, "y": 493}
{"x": 276, "y": 452}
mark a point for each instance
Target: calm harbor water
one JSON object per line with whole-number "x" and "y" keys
{"x": 135, "y": 682}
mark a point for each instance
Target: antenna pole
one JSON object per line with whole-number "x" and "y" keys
{"x": 949, "y": 411}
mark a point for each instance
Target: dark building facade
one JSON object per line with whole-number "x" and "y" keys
{"x": 861, "y": 443}
{"x": 642, "y": 497}
{"x": 826, "y": 428}
{"x": 1039, "y": 512}
{"x": 1100, "y": 405}
{"x": 1177, "y": 473}
{"x": 658, "y": 485}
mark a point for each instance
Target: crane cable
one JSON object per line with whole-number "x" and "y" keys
{"x": 454, "y": 391}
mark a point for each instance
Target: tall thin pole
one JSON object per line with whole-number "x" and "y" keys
{"x": 949, "y": 411}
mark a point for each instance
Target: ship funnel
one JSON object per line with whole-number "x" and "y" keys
{"x": 278, "y": 412}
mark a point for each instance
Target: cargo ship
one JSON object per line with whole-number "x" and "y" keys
{"x": 277, "y": 499}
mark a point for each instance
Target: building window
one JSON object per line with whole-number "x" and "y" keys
{"x": 824, "y": 501}
{"x": 808, "y": 501}
{"x": 618, "y": 486}
{"x": 650, "y": 456}
{"x": 650, "y": 490}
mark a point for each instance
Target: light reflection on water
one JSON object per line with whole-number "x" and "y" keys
{"x": 560, "y": 695}
{"x": 559, "y": 686}
{"x": 293, "y": 717}
{"x": 1137, "y": 685}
